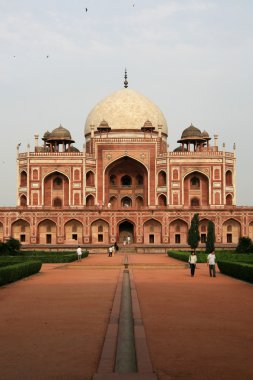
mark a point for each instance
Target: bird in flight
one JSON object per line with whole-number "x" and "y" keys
{"x": 47, "y": 56}
{"x": 86, "y": 9}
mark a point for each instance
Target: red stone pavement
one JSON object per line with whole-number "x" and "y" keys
{"x": 52, "y": 325}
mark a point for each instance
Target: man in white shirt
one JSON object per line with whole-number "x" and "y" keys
{"x": 79, "y": 253}
{"x": 211, "y": 263}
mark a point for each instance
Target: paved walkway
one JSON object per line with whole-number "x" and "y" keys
{"x": 53, "y": 324}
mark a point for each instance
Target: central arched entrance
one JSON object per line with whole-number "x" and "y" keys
{"x": 126, "y": 183}
{"x": 126, "y": 232}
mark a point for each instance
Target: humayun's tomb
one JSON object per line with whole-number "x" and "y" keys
{"x": 126, "y": 182}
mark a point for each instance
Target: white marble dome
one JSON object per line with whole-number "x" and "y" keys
{"x": 126, "y": 110}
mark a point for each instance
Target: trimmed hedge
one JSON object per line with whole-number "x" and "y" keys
{"x": 53, "y": 257}
{"x": 184, "y": 256}
{"x": 238, "y": 270}
{"x": 14, "y": 271}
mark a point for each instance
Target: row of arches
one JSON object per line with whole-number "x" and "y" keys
{"x": 74, "y": 231}
{"x": 128, "y": 180}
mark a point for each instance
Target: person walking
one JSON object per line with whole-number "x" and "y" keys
{"x": 211, "y": 263}
{"x": 110, "y": 251}
{"x": 79, "y": 253}
{"x": 192, "y": 262}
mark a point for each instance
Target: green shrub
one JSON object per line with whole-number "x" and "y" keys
{"x": 54, "y": 257}
{"x": 244, "y": 245}
{"x": 238, "y": 270}
{"x": 16, "y": 271}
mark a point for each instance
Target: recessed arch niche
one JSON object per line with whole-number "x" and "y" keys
{"x": 126, "y": 177}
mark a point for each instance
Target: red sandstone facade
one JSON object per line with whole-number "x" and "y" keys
{"x": 125, "y": 183}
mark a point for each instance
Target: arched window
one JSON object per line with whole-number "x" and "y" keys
{"x": 57, "y": 202}
{"x": 162, "y": 200}
{"x": 229, "y": 178}
{"x": 23, "y": 179}
{"x": 126, "y": 180}
{"x": 90, "y": 200}
{"x": 126, "y": 202}
{"x": 23, "y": 201}
{"x": 139, "y": 202}
{"x": 57, "y": 183}
{"x": 195, "y": 202}
{"x": 229, "y": 200}
{"x": 195, "y": 182}
{"x": 162, "y": 178}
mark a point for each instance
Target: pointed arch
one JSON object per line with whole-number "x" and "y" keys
{"x": 47, "y": 232}
{"x": 229, "y": 178}
{"x": 73, "y": 232}
{"x": 162, "y": 178}
{"x": 162, "y": 200}
{"x": 23, "y": 200}
{"x": 90, "y": 178}
{"x": 152, "y": 232}
{"x": 23, "y": 178}
{"x": 196, "y": 186}
{"x": 20, "y": 230}
{"x": 229, "y": 200}
{"x": 56, "y": 186}
{"x": 100, "y": 232}
{"x": 231, "y": 231}
{"x": 126, "y": 177}
{"x": 126, "y": 231}
{"x": 90, "y": 200}
{"x": 178, "y": 231}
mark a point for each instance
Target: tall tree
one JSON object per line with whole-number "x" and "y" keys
{"x": 193, "y": 233}
{"x": 210, "y": 239}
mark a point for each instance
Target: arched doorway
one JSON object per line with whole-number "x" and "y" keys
{"x": 126, "y": 231}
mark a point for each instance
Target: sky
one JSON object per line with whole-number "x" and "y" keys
{"x": 193, "y": 58}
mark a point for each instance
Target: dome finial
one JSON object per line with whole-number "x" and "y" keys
{"x": 125, "y": 81}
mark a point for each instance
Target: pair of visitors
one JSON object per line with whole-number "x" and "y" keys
{"x": 79, "y": 253}
{"x": 210, "y": 262}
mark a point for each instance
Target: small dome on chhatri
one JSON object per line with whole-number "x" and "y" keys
{"x": 148, "y": 124}
{"x": 46, "y": 135}
{"x": 205, "y": 135}
{"x": 60, "y": 133}
{"x": 191, "y": 132}
{"x": 103, "y": 124}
